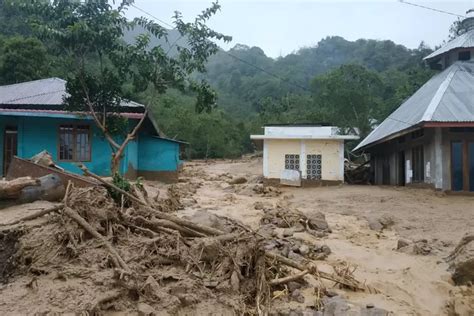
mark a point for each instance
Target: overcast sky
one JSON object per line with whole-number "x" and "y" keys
{"x": 280, "y": 27}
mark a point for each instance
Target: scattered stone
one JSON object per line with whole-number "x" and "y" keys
{"x": 145, "y": 310}
{"x": 259, "y": 205}
{"x": 403, "y": 243}
{"x": 303, "y": 250}
{"x": 317, "y": 221}
{"x": 422, "y": 247}
{"x": 373, "y": 311}
{"x": 374, "y": 224}
{"x": 379, "y": 223}
{"x": 206, "y": 218}
{"x": 239, "y": 180}
{"x": 297, "y": 296}
{"x": 294, "y": 286}
{"x": 287, "y": 232}
{"x": 462, "y": 261}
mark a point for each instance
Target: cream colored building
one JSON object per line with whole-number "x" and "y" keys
{"x": 316, "y": 152}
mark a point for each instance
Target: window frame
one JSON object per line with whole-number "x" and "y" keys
{"x": 74, "y": 137}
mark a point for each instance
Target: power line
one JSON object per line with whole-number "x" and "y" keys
{"x": 432, "y": 9}
{"x": 229, "y": 54}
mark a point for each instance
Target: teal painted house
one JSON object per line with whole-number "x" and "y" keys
{"x": 33, "y": 119}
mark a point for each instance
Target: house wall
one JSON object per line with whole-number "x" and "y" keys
{"x": 145, "y": 154}
{"x": 389, "y": 152}
{"x": 158, "y": 159}
{"x": 331, "y": 151}
{"x": 437, "y": 157}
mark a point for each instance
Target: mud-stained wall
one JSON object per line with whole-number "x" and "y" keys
{"x": 331, "y": 151}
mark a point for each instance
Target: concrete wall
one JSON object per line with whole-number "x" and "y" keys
{"x": 331, "y": 151}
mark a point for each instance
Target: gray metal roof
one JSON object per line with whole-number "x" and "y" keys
{"x": 465, "y": 40}
{"x": 49, "y": 91}
{"x": 447, "y": 97}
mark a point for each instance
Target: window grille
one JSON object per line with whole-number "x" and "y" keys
{"x": 313, "y": 167}
{"x": 292, "y": 162}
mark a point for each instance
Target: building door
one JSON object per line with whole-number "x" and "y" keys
{"x": 457, "y": 166}
{"x": 401, "y": 169}
{"x": 471, "y": 166}
{"x": 10, "y": 146}
{"x": 418, "y": 164}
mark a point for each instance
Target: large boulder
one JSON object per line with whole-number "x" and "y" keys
{"x": 462, "y": 261}
{"x": 317, "y": 221}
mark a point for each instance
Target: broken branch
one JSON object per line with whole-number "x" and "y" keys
{"x": 118, "y": 261}
{"x": 32, "y": 216}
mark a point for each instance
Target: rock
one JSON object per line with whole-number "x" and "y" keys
{"x": 379, "y": 223}
{"x": 206, "y": 218}
{"x": 403, "y": 243}
{"x": 235, "y": 281}
{"x": 336, "y": 306}
{"x": 374, "y": 224}
{"x": 386, "y": 221}
{"x": 294, "y": 256}
{"x": 238, "y": 180}
{"x": 373, "y": 311}
{"x": 145, "y": 309}
{"x": 297, "y": 296}
{"x": 294, "y": 286}
{"x": 462, "y": 261}
{"x": 259, "y": 205}
{"x": 317, "y": 221}
{"x": 321, "y": 252}
{"x": 422, "y": 248}
{"x": 207, "y": 249}
{"x": 303, "y": 250}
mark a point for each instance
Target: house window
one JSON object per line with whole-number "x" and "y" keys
{"x": 292, "y": 162}
{"x": 313, "y": 167}
{"x": 464, "y": 55}
{"x": 74, "y": 143}
{"x": 418, "y": 164}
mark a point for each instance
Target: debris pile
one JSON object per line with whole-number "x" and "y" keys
{"x": 294, "y": 220}
{"x": 144, "y": 258}
{"x": 356, "y": 173}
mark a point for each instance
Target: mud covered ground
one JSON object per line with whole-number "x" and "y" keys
{"x": 367, "y": 224}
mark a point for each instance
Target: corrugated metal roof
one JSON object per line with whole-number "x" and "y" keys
{"x": 447, "y": 97}
{"x": 465, "y": 40}
{"x": 49, "y": 91}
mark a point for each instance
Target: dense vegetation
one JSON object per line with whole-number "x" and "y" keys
{"x": 350, "y": 84}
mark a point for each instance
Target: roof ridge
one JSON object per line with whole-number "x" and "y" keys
{"x": 24, "y": 82}
{"x": 32, "y": 96}
{"x": 436, "y": 100}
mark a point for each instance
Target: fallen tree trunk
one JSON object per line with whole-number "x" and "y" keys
{"x": 12, "y": 189}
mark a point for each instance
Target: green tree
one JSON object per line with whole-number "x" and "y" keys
{"x": 23, "y": 59}
{"x": 94, "y": 30}
{"x": 349, "y": 97}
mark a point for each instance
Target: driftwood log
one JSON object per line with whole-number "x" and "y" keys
{"x": 12, "y": 189}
